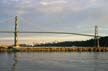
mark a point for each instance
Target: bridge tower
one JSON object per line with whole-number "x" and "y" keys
{"x": 16, "y": 33}
{"x": 96, "y": 37}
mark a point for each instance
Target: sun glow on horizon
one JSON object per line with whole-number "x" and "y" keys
{"x": 49, "y": 38}
{"x": 41, "y": 39}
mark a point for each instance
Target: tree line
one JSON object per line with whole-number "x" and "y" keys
{"x": 103, "y": 41}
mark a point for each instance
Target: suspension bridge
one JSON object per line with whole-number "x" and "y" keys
{"x": 16, "y": 32}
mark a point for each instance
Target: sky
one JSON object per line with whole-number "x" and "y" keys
{"x": 78, "y": 16}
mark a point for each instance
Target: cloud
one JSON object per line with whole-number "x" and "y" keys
{"x": 53, "y": 2}
{"x": 56, "y": 15}
{"x": 93, "y": 1}
{"x": 58, "y": 6}
{"x": 23, "y": 7}
{"x": 49, "y": 6}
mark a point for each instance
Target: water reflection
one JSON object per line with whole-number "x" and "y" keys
{"x": 95, "y": 63}
{"x": 54, "y": 61}
{"x": 15, "y": 59}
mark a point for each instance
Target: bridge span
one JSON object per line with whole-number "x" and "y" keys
{"x": 16, "y": 32}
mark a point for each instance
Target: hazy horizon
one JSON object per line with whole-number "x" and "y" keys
{"x": 28, "y": 40}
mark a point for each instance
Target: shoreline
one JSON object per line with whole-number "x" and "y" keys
{"x": 49, "y": 49}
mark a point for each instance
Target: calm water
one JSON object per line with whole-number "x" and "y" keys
{"x": 60, "y": 61}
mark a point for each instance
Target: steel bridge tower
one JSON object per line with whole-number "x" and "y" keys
{"x": 16, "y": 32}
{"x": 96, "y": 37}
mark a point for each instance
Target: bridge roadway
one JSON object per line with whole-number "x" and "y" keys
{"x": 50, "y": 33}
